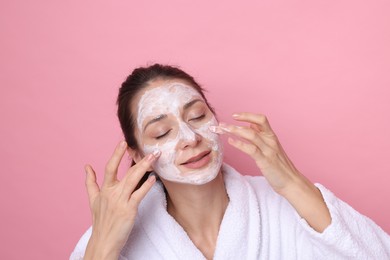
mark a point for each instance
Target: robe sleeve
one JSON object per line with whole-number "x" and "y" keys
{"x": 79, "y": 250}
{"x": 350, "y": 235}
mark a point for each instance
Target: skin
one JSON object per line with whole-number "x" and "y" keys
{"x": 199, "y": 209}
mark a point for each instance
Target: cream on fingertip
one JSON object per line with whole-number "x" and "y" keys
{"x": 224, "y": 127}
{"x": 156, "y": 153}
{"x": 216, "y": 129}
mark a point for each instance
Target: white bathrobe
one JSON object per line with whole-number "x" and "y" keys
{"x": 258, "y": 224}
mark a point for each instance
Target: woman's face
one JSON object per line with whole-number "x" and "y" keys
{"x": 172, "y": 116}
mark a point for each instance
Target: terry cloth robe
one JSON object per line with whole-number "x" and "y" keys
{"x": 258, "y": 224}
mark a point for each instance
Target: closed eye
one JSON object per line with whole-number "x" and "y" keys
{"x": 163, "y": 135}
{"x": 198, "y": 118}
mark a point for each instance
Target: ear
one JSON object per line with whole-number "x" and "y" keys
{"x": 137, "y": 156}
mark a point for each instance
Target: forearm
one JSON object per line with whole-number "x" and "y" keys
{"x": 307, "y": 200}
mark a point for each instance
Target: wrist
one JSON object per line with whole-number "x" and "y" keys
{"x": 297, "y": 186}
{"x": 99, "y": 250}
{"x": 309, "y": 203}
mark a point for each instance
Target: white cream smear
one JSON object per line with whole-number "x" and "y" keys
{"x": 170, "y": 99}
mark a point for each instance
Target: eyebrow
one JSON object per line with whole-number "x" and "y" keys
{"x": 189, "y": 104}
{"x": 154, "y": 120}
{"x": 162, "y": 116}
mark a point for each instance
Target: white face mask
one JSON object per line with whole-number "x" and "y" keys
{"x": 169, "y": 100}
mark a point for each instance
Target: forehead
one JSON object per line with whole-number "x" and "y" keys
{"x": 167, "y": 93}
{"x": 163, "y": 97}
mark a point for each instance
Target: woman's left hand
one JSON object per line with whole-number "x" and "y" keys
{"x": 263, "y": 146}
{"x": 260, "y": 142}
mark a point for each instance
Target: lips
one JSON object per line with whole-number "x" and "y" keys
{"x": 196, "y": 158}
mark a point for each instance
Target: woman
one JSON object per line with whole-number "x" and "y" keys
{"x": 201, "y": 208}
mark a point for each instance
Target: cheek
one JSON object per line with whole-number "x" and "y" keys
{"x": 205, "y": 132}
{"x": 166, "y": 159}
{"x": 168, "y": 152}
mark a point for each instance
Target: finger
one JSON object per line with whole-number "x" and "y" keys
{"x": 110, "y": 176}
{"x": 246, "y": 133}
{"x": 91, "y": 184}
{"x": 248, "y": 148}
{"x": 258, "y": 119}
{"x": 136, "y": 172}
{"x": 139, "y": 194}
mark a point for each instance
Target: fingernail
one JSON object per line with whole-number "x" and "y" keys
{"x": 235, "y": 115}
{"x": 152, "y": 178}
{"x": 224, "y": 127}
{"x": 156, "y": 153}
{"x": 123, "y": 144}
{"x": 231, "y": 140}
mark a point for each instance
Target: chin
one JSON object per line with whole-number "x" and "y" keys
{"x": 203, "y": 173}
{"x": 203, "y": 180}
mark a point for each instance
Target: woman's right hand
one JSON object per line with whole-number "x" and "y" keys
{"x": 114, "y": 206}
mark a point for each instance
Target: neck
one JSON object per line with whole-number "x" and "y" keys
{"x": 199, "y": 209}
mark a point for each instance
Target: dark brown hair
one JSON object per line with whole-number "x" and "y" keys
{"x": 136, "y": 81}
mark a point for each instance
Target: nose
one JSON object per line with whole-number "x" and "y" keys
{"x": 187, "y": 136}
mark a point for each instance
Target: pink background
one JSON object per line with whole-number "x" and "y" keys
{"x": 320, "y": 70}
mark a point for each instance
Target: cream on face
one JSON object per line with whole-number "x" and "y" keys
{"x": 168, "y": 101}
